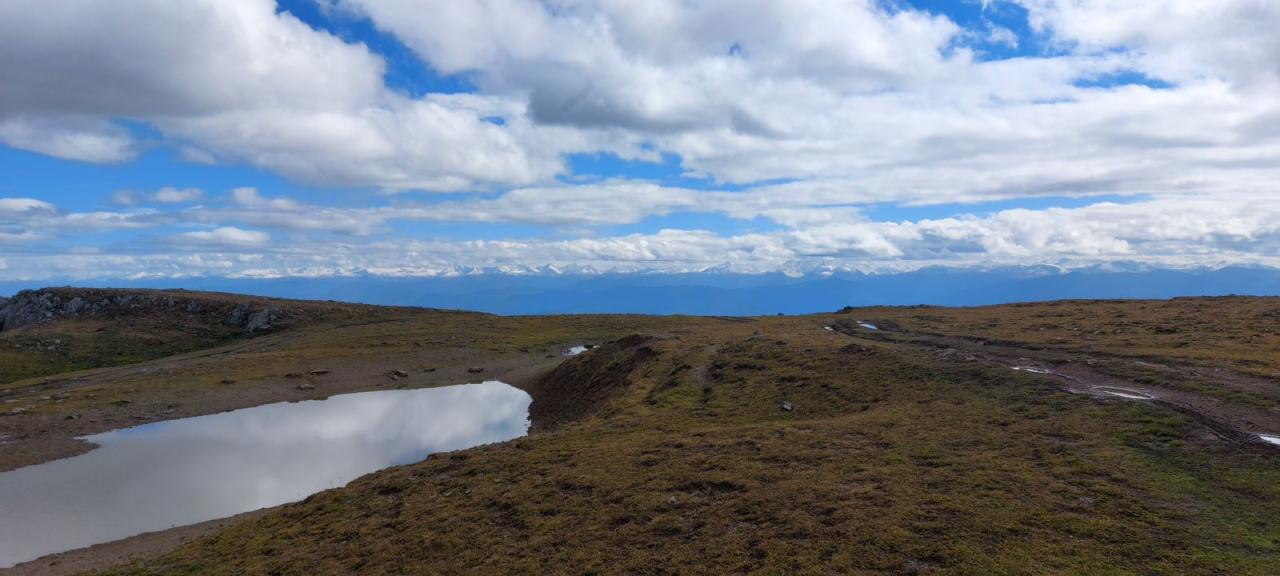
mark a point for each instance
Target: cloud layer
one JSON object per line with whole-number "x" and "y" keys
{"x": 800, "y": 115}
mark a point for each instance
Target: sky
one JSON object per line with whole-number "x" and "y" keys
{"x": 255, "y": 138}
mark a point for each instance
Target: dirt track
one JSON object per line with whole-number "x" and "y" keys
{"x": 1097, "y": 376}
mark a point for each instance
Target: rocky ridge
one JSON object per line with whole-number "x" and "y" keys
{"x": 30, "y": 307}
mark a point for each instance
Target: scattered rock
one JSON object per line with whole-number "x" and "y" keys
{"x": 400, "y": 373}
{"x": 428, "y": 369}
{"x": 475, "y": 370}
{"x": 71, "y": 417}
{"x": 237, "y": 315}
{"x": 262, "y": 319}
{"x": 786, "y": 406}
{"x": 318, "y": 372}
{"x": 306, "y": 386}
{"x": 293, "y": 375}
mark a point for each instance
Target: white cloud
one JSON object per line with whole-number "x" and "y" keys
{"x": 838, "y": 105}
{"x": 1173, "y": 231}
{"x": 251, "y": 198}
{"x": 74, "y": 138}
{"x": 1177, "y": 40}
{"x": 238, "y": 81}
{"x": 814, "y": 90}
{"x": 166, "y": 195}
{"x": 170, "y": 195}
{"x": 24, "y": 206}
{"x": 228, "y": 236}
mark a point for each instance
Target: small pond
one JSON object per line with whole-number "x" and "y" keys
{"x": 181, "y": 472}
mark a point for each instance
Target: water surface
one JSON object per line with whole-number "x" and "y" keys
{"x": 1123, "y": 393}
{"x": 180, "y": 472}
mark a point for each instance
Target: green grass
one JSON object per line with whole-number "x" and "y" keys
{"x": 893, "y": 461}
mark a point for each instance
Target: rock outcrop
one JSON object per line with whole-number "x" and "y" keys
{"x": 47, "y": 304}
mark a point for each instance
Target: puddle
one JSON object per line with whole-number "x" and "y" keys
{"x": 575, "y": 350}
{"x": 1031, "y": 369}
{"x": 181, "y": 472}
{"x": 1269, "y": 439}
{"x": 1122, "y": 393}
{"x": 868, "y": 325}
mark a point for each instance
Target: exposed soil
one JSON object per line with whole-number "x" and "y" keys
{"x": 586, "y": 382}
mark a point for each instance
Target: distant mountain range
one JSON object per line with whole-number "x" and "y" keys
{"x": 731, "y": 294}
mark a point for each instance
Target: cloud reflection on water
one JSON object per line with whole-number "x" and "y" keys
{"x": 181, "y": 472}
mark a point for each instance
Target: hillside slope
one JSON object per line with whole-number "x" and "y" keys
{"x": 818, "y": 445}
{"x": 1065, "y": 437}
{"x": 54, "y": 330}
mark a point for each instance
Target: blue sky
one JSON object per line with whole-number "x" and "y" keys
{"x": 329, "y": 137}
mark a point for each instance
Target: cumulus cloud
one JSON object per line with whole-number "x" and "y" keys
{"x": 237, "y": 80}
{"x": 1177, "y": 40}
{"x": 800, "y": 113}
{"x": 815, "y": 90}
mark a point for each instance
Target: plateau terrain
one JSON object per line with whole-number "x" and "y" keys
{"x": 1066, "y": 437}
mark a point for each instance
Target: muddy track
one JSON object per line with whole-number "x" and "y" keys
{"x": 1235, "y": 424}
{"x": 1101, "y": 386}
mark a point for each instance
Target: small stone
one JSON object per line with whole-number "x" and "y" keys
{"x": 318, "y": 372}
{"x": 786, "y": 406}
{"x": 428, "y": 369}
{"x": 305, "y": 386}
{"x": 293, "y": 375}
{"x": 400, "y": 373}
{"x": 475, "y": 369}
